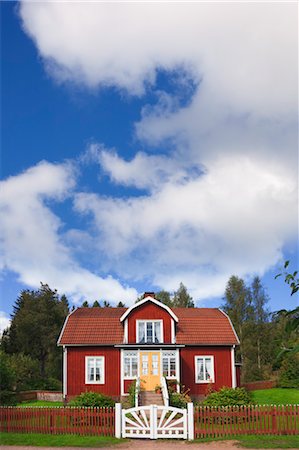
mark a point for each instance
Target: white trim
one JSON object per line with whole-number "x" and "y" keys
{"x": 126, "y": 331}
{"x": 122, "y": 387}
{"x": 103, "y": 369}
{"x": 231, "y": 324}
{"x": 172, "y": 332}
{"x": 149, "y": 299}
{"x": 178, "y": 368}
{"x": 64, "y": 387}
{"x": 234, "y": 379}
{"x": 152, "y": 321}
{"x": 212, "y": 380}
{"x": 118, "y": 415}
{"x": 135, "y": 376}
{"x": 64, "y": 325}
{"x": 190, "y": 420}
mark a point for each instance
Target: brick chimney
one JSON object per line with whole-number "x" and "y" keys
{"x": 149, "y": 294}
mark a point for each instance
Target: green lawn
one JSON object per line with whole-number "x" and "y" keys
{"x": 276, "y": 396}
{"x": 40, "y": 403}
{"x": 253, "y": 441}
{"x": 63, "y": 440}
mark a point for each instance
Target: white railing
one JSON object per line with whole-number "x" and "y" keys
{"x": 165, "y": 393}
{"x": 137, "y": 390}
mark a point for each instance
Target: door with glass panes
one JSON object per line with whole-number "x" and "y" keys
{"x": 150, "y": 375}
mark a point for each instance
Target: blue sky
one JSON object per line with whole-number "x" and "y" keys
{"x": 147, "y": 144}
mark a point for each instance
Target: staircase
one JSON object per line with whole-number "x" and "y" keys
{"x": 150, "y": 398}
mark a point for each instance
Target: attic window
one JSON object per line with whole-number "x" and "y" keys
{"x": 149, "y": 332}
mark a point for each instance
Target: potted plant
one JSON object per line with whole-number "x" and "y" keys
{"x": 158, "y": 389}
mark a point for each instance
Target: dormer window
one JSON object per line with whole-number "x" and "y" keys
{"x": 149, "y": 331}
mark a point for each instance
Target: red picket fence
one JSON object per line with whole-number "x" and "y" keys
{"x": 57, "y": 420}
{"x": 235, "y": 420}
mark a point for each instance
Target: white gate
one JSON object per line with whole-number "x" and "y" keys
{"x": 156, "y": 422}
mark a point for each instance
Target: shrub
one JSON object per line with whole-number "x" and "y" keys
{"x": 228, "y": 397}
{"x": 8, "y": 398}
{"x": 92, "y": 399}
{"x": 179, "y": 399}
{"x": 289, "y": 372}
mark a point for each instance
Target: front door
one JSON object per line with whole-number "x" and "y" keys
{"x": 149, "y": 370}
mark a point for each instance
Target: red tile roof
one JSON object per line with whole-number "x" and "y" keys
{"x": 101, "y": 326}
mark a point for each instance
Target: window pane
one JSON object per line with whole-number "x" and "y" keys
{"x": 134, "y": 367}
{"x": 149, "y": 331}
{"x": 200, "y": 372}
{"x": 208, "y": 369}
{"x": 127, "y": 367}
{"x": 141, "y": 332}
{"x": 172, "y": 367}
{"x": 157, "y": 332}
{"x": 165, "y": 367}
{"x": 144, "y": 365}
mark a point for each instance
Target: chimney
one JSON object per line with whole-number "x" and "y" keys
{"x": 149, "y": 294}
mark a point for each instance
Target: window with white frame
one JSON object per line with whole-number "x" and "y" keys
{"x": 169, "y": 364}
{"x": 204, "y": 369}
{"x": 149, "y": 331}
{"x": 130, "y": 364}
{"x": 94, "y": 370}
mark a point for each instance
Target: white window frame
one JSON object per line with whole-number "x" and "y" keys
{"x": 147, "y": 321}
{"x": 102, "y": 358}
{"x": 164, "y": 352}
{"x": 133, "y": 377}
{"x": 204, "y": 357}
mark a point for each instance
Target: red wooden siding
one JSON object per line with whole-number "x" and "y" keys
{"x": 127, "y": 384}
{"x": 149, "y": 311}
{"x": 76, "y": 370}
{"x": 222, "y": 368}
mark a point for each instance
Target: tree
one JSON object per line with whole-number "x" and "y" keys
{"x": 36, "y": 322}
{"x": 96, "y": 304}
{"x": 290, "y": 278}
{"x": 259, "y": 300}
{"x": 164, "y": 297}
{"x": 85, "y": 304}
{"x": 107, "y": 304}
{"x": 181, "y": 298}
{"x": 121, "y": 305}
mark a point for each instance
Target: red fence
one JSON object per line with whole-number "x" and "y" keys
{"x": 235, "y": 420}
{"x": 256, "y": 385}
{"x": 57, "y": 420}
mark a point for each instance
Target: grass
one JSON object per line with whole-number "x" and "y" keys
{"x": 276, "y": 396}
{"x": 40, "y": 403}
{"x": 63, "y": 440}
{"x": 254, "y": 441}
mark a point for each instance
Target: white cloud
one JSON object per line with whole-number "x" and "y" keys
{"x": 240, "y": 126}
{"x": 32, "y": 239}
{"x": 4, "y": 321}
{"x": 200, "y": 231}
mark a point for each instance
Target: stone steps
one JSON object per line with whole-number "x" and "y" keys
{"x": 150, "y": 398}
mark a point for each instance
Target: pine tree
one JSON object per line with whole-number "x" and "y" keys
{"x": 96, "y": 304}
{"x": 85, "y": 304}
{"x": 181, "y": 298}
{"x": 121, "y": 305}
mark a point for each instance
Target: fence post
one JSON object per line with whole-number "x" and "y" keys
{"x": 274, "y": 419}
{"x": 118, "y": 420}
{"x": 190, "y": 421}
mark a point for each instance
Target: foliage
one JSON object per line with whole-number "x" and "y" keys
{"x": 180, "y": 298}
{"x": 61, "y": 440}
{"x": 179, "y": 399}
{"x": 37, "y": 320}
{"x": 132, "y": 392}
{"x": 92, "y": 399}
{"x": 26, "y": 371}
{"x": 96, "y": 304}
{"x": 7, "y": 381}
{"x": 8, "y": 398}
{"x": 289, "y": 373}
{"x": 290, "y": 278}
{"x": 85, "y": 304}
{"x": 275, "y": 396}
{"x": 228, "y": 397}
{"x": 121, "y": 305}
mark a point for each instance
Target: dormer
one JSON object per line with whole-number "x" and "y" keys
{"x": 149, "y": 322}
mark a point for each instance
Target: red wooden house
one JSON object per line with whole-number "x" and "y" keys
{"x": 106, "y": 348}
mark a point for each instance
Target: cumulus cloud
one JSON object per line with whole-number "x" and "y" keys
{"x": 32, "y": 239}
{"x": 223, "y": 198}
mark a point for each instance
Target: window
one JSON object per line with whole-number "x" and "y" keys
{"x": 169, "y": 364}
{"x": 130, "y": 364}
{"x": 94, "y": 370}
{"x": 149, "y": 332}
{"x": 204, "y": 369}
